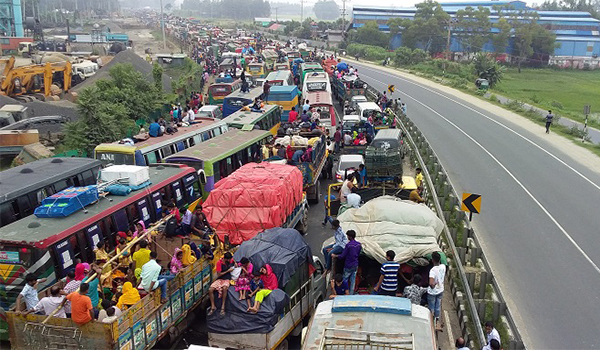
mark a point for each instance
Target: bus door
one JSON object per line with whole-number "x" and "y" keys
{"x": 144, "y": 211}
{"x": 64, "y": 257}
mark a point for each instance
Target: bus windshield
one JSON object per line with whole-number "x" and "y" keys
{"x": 316, "y": 86}
{"x": 115, "y": 158}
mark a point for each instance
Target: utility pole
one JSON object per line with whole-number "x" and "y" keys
{"x": 343, "y": 18}
{"x": 301, "y": 11}
{"x": 276, "y": 20}
{"x": 162, "y": 24}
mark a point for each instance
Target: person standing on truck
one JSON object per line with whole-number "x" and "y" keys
{"x": 549, "y": 118}
{"x": 362, "y": 176}
{"x": 293, "y": 115}
{"x": 388, "y": 281}
{"x": 350, "y": 256}
{"x": 29, "y": 292}
{"x": 340, "y": 241}
{"x": 224, "y": 267}
{"x": 436, "y": 287}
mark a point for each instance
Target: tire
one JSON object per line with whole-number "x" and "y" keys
{"x": 302, "y": 225}
{"x": 284, "y": 345}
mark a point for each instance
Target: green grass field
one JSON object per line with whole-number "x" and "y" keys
{"x": 553, "y": 89}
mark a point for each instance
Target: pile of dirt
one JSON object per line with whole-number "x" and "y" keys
{"x": 127, "y": 56}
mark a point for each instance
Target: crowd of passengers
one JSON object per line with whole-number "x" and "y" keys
{"x": 134, "y": 273}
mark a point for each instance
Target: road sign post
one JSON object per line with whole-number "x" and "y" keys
{"x": 471, "y": 202}
{"x": 586, "y": 110}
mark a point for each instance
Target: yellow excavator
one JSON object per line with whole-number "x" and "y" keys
{"x": 32, "y": 79}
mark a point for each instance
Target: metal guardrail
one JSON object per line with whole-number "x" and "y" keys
{"x": 471, "y": 309}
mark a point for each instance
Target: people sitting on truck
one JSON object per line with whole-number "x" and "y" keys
{"x": 339, "y": 286}
{"x": 188, "y": 257}
{"x": 347, "y": 138}
{"x": 270, "y": 283}
{"x": 129, "y": 297}
{"x": 48, "y": 304}
{"x": 82, "y": 311}
{"x": 350, "y": 256}
{"x": 307, "y": 155}
{"x": 415, "y": 195}
{"x": 280, "y": 151}
{"x": 154, "y": 130}
{"x": 176, "y": 263}
{"x": 316, "y": 113}
{"x": 293, "y": 115}
{"x": 100, "y": 252}
{"x": 414, "y": 292}
{"x": 242, "y": 285}
{"x": 353, "y": 200}
{"x": 150, "y": 277}
{"x": 256, "y": 284}
{"x": 340, "y": 241}
{"x": 111, "y": 315}
{"x": 296, "y": 158}
{"x": 224, "y": 267}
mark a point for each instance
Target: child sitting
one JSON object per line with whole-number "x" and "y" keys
{"x": 256, "y": 284}
{"x": 243, "y": 283}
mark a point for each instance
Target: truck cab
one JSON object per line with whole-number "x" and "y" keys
{"x": 83, "y": 70}
{"x": 370, "y": 322}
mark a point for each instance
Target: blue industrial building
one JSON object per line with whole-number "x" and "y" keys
{"x": 11, "y": 18}
{"x": 578, "y": 33}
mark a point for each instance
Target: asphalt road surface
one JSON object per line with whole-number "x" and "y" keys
{"x": 540, "y": 221}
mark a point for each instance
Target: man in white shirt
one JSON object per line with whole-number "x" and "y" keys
{"x": 436, "y": 287}
{"x": 150, "y": 277}
{"x": 48, "y": 304}
{"x": 491, "y": 333}
{"x": 353, "y": 198}
{"x": 460, "y": 344}
{"x": 347, "y": 139}
{"x": 191, "y": 115}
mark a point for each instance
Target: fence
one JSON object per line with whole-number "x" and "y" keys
{"x": 474, "y": 290}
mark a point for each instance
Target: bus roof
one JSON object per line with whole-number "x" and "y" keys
{"x": 43, "y": 172}
{"x": 250, "y": 95}
{"x": 311, "y": 65}
{"x": 395, "y": 321}
{"x": 278, "y": 75}
{"x": 221, "y": 146}
{"x": 42, "y": 232}
{"x": 241, "y": 118}
{"x": 200, "y": 124}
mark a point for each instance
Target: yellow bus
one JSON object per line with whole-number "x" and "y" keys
{"x": 155, "y": 149}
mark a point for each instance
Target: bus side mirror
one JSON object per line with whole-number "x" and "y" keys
{"x": 202, "y": 176}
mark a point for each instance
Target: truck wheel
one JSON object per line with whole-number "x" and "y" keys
{"x": 303, "y": 223}
{"x": 284, "y": 345}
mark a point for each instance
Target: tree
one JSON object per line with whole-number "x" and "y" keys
{"x": 486, "y": 67}
{"x": 99, "y": 122}
{"x": 326, "y": 10}
{"x": 500, "y": 39}
{"x": 369, "y": 34}
{"x": 428, "y": 30}
{"x": 473, "y": 28}
{"x": 290, "y": 27}
{"x": 522, "y": 23}
{"x": 543, "y": 44}
{"x": 157, "y": 73}
{"x": 591, "y": 6}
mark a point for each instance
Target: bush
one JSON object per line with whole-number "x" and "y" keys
{"x": 556, "y": 105}
{"x": 578, "y": 133}
{"x": 493, "y": 98}
{"x": 486, "y": 67}
{"x": 515, "y": 105}
{"x": 369, "y": 52}
{"x": 535, "y": 99}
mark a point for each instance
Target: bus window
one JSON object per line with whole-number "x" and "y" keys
{"x": 223, "y": 168}
{"x": 133, "y": 214}
{"x": 191, "y": 142}
{"x": 205, "y": 136}
{"x": 229, "y": 169}
{"x": 120, "y": 218}
{"x": 144, "y": 210}
{"x": 197, "y": 139}
{"x": 192, "y": 188}
{"x": 17, "y": 255}
{"x": 166, "y": 151}
{"x": 64, "y": 257}
{"x": 25, "y": 207}
{"x": 61, "y": 185}
{"x": 176, "y": 186}
{"x": 217, "y": 171}
{"x": 180, "y": 146}
{"x": 157, "y": 204}
{"x": 7, "y": 213}
{"x": 88, "y": 177}
{"x": 93, "y": 235}
{"x": 157, "y": 156}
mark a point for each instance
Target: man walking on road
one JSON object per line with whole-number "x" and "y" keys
{"x": 549, "y": 118}
{"x": 436, "y": 287}
{"x": 350, "y": 256}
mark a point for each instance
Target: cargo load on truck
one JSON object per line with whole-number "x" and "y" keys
{"x": 252, "y": 199}
{"x": 388, "y": 223}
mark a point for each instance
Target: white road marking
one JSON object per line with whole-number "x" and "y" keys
{"x": 494, "y": 121}
{"x": 565, "y": 233}
{"x": 448, "y": 328}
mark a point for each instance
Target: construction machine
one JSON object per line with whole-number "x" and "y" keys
{"x": 37, "y": 78}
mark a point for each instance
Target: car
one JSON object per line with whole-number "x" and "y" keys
{"x": 209, "y": 111}
{"x": 352, "y": 105}
{"x": 347, "y": 164}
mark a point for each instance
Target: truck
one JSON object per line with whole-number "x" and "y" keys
{"x": 255, "y": 197}
{"x": 283, "y": 312}
{"x": 311, "y": 171}
{"x": 370, "y": 322}
{"x": 346, "y": 87}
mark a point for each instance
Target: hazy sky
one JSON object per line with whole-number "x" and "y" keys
{"x": 386, "y": 3}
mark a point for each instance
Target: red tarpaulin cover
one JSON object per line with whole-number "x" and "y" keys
{"x": 252, "y": 199}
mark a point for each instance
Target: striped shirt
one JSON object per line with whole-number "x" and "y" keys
{"x": 389, "y": 270}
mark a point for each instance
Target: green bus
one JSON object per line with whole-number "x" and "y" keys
{"x": 308, "y": 68}
{"x": 222, "y": 155}
{"x": 268, "y": 119}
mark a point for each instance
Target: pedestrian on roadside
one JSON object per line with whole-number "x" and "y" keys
{"x": 460, "y": 344}
{"x": 491, "y": 332}
{"x": 436, "y": 287}
{"x": 549, "y": 118}
{"x": 350, "y": 256}
{"x": 337, "y": 137}
{"x": 388, "y": 281}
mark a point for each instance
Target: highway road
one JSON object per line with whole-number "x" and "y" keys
{"x": 540, "y": 221}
